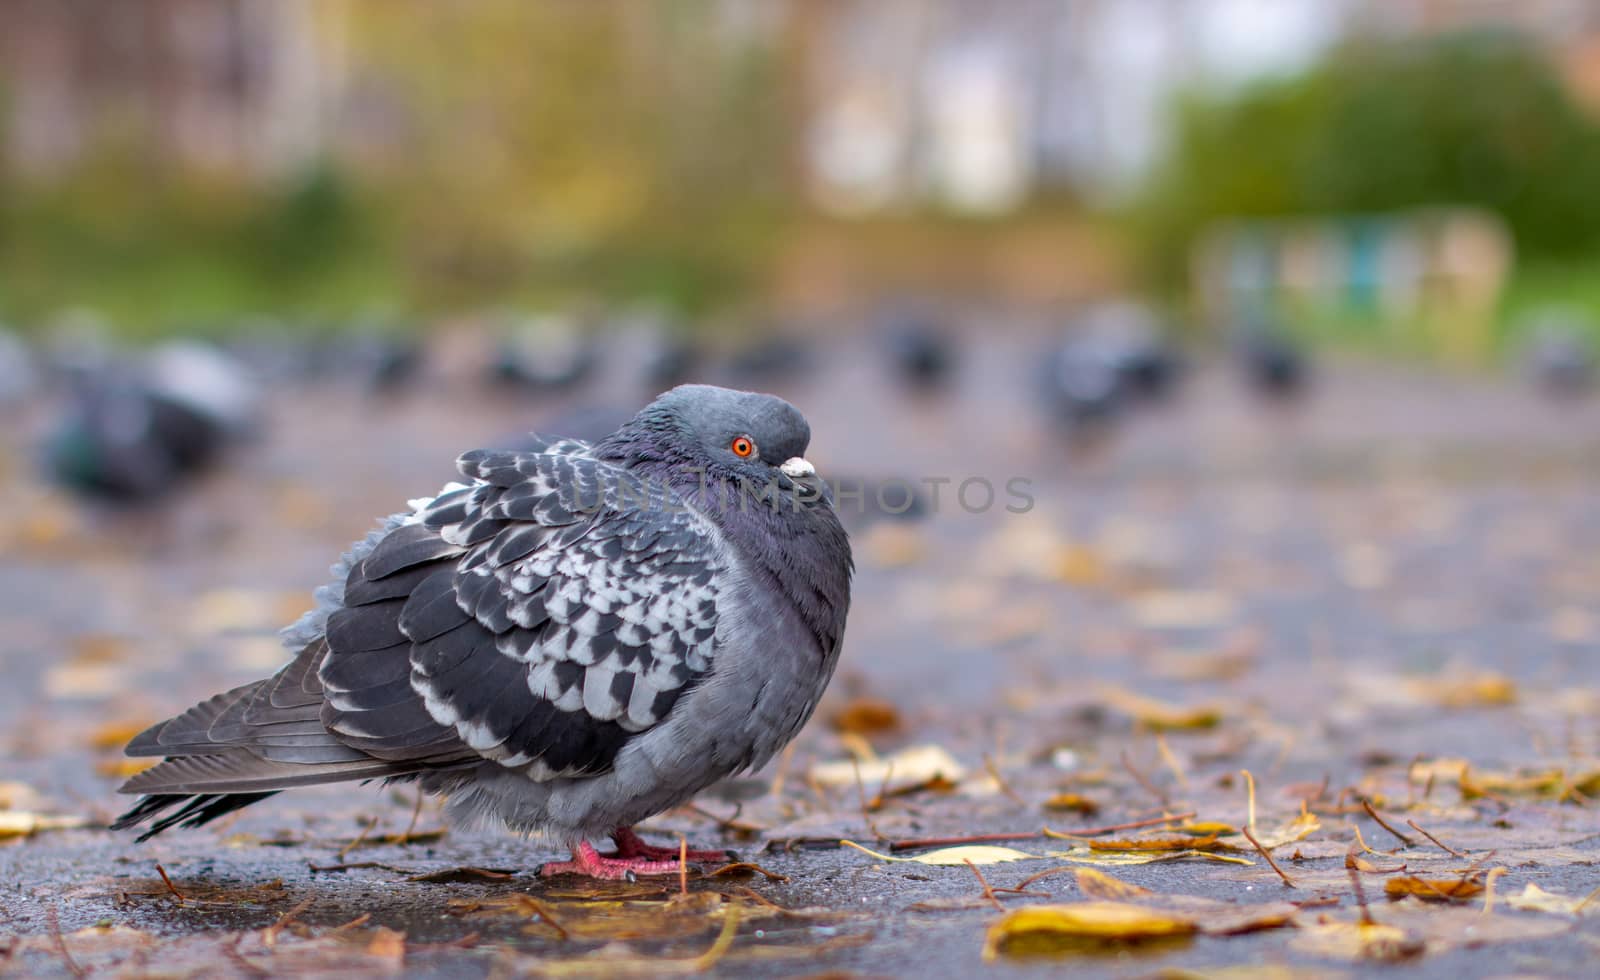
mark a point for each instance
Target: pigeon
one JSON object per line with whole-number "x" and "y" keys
{"x": 575, "y": 638}
{"x": 545, "y": 353}
{"x": 1560, "y": 357}
{"x": 919, "y": 348}
{"x": 1082, "y": 387}
{"x": 1273, "y": 364}
{"x": 133, "y": 431}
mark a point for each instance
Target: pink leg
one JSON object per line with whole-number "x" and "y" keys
{"x": 588, "y": 862}
{"x": 630, "y": 846}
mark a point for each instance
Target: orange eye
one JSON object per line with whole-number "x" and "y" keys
{"x": 742, "y": 447}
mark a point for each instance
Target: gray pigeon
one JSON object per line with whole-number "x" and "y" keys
{"x": 579, "y": 637}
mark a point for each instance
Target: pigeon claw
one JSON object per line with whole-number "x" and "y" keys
{"x": 590, "y": 863}
{"x": 629, "y": 845}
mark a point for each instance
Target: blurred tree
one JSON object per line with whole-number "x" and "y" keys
{"x": 607, "y": 146}
{"x": 1478, "y": 118}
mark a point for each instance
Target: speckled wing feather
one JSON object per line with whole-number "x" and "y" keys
{"x": 550, "y": 611}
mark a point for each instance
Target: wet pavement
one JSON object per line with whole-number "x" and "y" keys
{"x": 1389, "y": 593}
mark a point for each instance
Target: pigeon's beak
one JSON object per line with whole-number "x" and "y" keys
{"x": 797, "y": 467}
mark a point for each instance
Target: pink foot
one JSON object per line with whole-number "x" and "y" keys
{"x": 588, "y": 862}
{"x": 629, "y": 845}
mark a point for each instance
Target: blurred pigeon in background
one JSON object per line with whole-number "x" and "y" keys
{"x": 776, "y": 358}
{"x": 132, "y": 430}
{"x": 1560, "y": 355}
{"x": 19, "y": 374}
{"x": 919, "y": 347}
{"x": 1131, "y": 337}
{"x": 1273, "y": 364}
{"x": 547, "y": 352}
{"x": 576, "y": 639}
{"x": 1081, "y": 385}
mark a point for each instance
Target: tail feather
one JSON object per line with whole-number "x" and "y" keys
{"x": 193, "y": 812}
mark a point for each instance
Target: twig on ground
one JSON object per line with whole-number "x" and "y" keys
{"x": 1373, "y": 813}
{"x": 1250, "y": 799}
{"x": 1143, "y": 780}
{"x": 1268, "y": 855}
{"x": 61, "y": 944}
{"x": 1488, "y": 888}
{"x": 1171, "y": 761}
{"x": 1441, "y": 844}
{"x": 999, "y": 781}
{"x": 168, "y": 882}
{"x": 269, "y": 936}
{"x": 1114, "y": 828}
{"x": 988, "y": 892}
{"x": 416, "y": 812}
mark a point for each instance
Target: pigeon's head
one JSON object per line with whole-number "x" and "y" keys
{"x": 729, "y": 434}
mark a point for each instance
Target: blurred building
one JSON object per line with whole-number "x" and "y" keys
{"x": 964, "y": 103}
{"x": 240, "y": 85}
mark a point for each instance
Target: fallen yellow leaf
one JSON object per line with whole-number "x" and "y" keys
{"x": 1359, "y": 941}
{"x": 1112, "y": 859}
{"x": 1098, "y": 884}
{"x": 916, "y": 766}
{"x": 1072, "y": 803}
{"x": 1432, "y": 889}
{"x": 1156, "y": 844}
{"x": 1536, "y": 899}
{"x": 1044, "y": 929}
{"x": 953, "y": 856}
{"x": 115, "y": 735}
{"x": 15, "y": 823}
{"x": 1159, "y": 715}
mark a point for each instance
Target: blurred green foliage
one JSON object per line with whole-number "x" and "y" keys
{"x": 497, "y": 153}
{"x": 1479, "y": 118}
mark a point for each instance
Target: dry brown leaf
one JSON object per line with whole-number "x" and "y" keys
{"x": 1113, "y": 859}
{"x": 388, "y": 944}
{"x": 1433, "y": 889}
{"x": 1359, "y": 941}
{"x": 867, "y": 716}
{"x": 123, "y": 768}
{"x": 1159, "y": 715}
{"x": 891, "y": 544}
{"x": 1479, "y": 690}
{"x": 114, "y": 735}
{"x": 1098, "y": 884}
{"x": 1072, "y": 803}
{"x": 1205, "y": 843}
{"x": 1080, "y": 566}
{"x": 1045, "y": 929}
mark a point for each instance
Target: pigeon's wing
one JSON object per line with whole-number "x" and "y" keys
{"x": 566, "y": 607}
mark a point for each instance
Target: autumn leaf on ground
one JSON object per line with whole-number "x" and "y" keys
{"x": 1297, "y": 829}
{"x": 866, "y": 716}
{"x": 910, "y": 768}
{"x": 1079, "y": 926}
{"x": 1072, "y": 803}
{"x": 954, "y": 856}
{"x": 1182, "y": 610}
{"x": 1098, "y": 884}
{"x": 1359, "y": 941}
{"x": 1433, "y": 889}
{"x": 1112, "y": 859}
{"x": 1212, "y": 916}
{"x": 14, "y": 823}
{"x": 1159, "y": 715}
{"x": 1536, "y": 899}
{"x": 1156, "y": 844}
